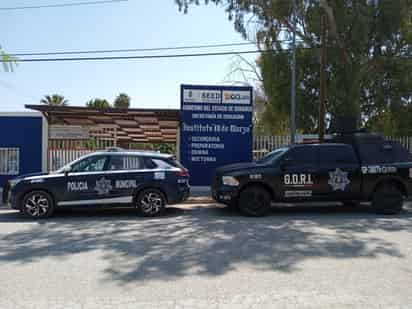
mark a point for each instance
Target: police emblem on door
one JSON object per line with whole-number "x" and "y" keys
{"x": 103, "y": 186}
{"x": 338, "y": 180}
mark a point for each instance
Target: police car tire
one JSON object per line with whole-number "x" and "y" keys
{"x": 254, "y": 201}
{"x": 43, "y": 207}
{"x": 387, "y": 199}
{"x": 151, "y": 202}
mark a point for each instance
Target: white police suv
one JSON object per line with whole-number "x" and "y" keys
{"x": 145, "y": 180}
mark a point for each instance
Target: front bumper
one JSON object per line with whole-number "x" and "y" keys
{"x": 225, "y": 194}
{"x": 9, "y": 198}
{"x": 6, "y": 194}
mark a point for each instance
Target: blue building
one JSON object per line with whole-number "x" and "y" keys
{"x": 23, "y": 144}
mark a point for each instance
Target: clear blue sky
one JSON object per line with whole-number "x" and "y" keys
{"x": 133, "y": 24}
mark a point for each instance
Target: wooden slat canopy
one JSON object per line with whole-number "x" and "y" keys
{"x": 135, "y": 125}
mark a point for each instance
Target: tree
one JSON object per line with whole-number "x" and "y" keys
{"x": 369, "y": 54}
{"x": 8, "y": 61}
{"x": 55, "y": 100}
{"x": 98, "y": 103}
{"x": 122, "y": 101}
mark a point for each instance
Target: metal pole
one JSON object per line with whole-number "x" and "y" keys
{"x": 322, "y": 95}
{"x": 293, "y": 88}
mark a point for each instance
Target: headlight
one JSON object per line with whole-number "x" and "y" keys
{"x": 13, "y": 182}
{"x": 230, "y": 181}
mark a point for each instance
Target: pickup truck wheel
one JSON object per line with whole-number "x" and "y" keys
{"x": 387, "y": 199}
{"x": 151, "y": 202}
{"x": 37, "y": 205}
{"x": 254, "y": 201}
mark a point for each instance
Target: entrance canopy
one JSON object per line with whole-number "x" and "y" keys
{"x": 131, "y": 125}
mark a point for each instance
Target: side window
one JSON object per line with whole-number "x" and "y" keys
{"x": 125, "y": 162}
{"x": 302, "y": 156}
{"x": 162, "y": 164}
{"x": 148, "y": 163}
{"x": 90, "y": 164}
{"x": 337, "y": 155}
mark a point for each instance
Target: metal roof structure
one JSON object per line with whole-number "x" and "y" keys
{"x": 132, "y": 125}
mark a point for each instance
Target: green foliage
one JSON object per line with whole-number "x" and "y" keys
{"x": 165, "y": 148}
{"x": 162, "y": 147}
{"x": 122, "y": 101}
{"x": 55, "y": 100}
{"x": 369, "y": 58}
{"x": 98, "y": 103}
{"x": 8, "y": 61}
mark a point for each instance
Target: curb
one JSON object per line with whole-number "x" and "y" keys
{"x": 199, "y": 199}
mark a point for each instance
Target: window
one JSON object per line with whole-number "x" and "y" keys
{"x": 272, "y": 156}
{"x": 9, "y": 161}
{"x": 163, "y": 163}
{"x": 121, "y": 162}
{"x": 302, "y": 155}
{"x": 90, "y": 164}
{"x": 338, "y": 154}
{"x": 148, "y": 163}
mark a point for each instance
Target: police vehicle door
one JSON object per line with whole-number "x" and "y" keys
{"x": 126, "y": 172}
{"x": 86, "y": 181}
{"x": 339, "y": 172}
{"x": 299, "y": 178}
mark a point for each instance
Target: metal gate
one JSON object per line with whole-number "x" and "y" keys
{"x": 63, "y": 151}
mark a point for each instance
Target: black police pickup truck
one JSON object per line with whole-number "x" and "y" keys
{"x": 145, "y": 180}
{"x": 356, "y": 167}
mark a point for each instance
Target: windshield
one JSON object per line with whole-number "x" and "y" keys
{"x": 272, "y": 156}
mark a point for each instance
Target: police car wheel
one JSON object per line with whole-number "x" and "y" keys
{"x": 37, "y": 205}
{"x": 387, "y": 199}
{"x": 151, "y": 202}
{"x": 254, "y": 201}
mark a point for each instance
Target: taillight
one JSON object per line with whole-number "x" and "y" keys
{"x": 182, "y": 173}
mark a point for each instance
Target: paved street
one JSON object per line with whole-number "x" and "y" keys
{"x": 204, "y": 256}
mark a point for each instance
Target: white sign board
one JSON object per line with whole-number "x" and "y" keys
{"x": 68, "y": 132}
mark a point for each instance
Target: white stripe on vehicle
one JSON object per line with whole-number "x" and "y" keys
{"x": 114, "y": 200}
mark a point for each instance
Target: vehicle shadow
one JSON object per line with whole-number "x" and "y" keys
{"x": 208, "y": 241}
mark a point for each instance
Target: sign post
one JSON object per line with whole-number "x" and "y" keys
{"x": 216, "y": 129}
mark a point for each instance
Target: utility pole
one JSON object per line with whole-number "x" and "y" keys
{"x": 293, "y": 87}
{"x": 322, "y": 94}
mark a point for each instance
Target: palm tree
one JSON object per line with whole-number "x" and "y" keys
{"x": 55, "y": 100}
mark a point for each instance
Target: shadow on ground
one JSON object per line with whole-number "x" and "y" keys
{"x": 208, "y": 241}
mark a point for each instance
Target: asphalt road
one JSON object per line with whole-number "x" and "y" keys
{"x": 204, "y": 256}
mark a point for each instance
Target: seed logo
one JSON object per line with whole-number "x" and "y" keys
{"x": 338, "y": 180}
{"x": 103, "y": 186}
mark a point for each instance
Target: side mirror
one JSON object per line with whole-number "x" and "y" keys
{"x": 66, "y": 170}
